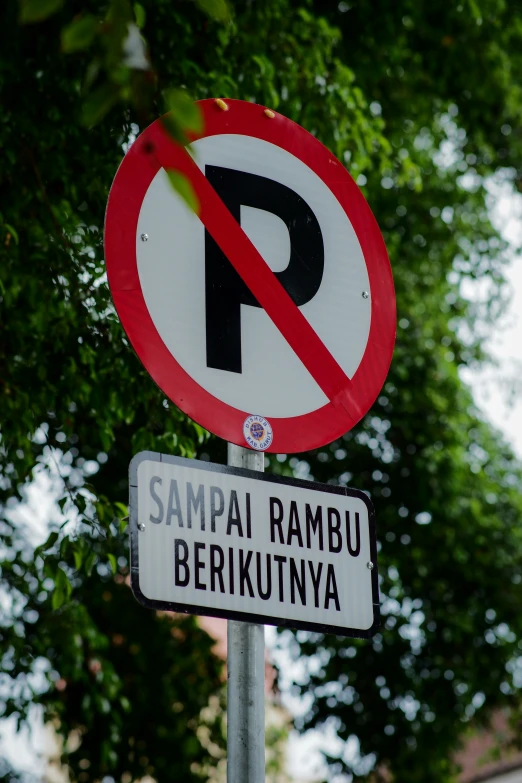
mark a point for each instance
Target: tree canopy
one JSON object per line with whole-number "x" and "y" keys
{"x": 422, "y": 103}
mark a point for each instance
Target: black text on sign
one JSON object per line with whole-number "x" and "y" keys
{"x": 209, "y": 539}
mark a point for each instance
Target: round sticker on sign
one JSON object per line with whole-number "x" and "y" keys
{"x": 272, "y": 292}
{"x": 258, "y": 432}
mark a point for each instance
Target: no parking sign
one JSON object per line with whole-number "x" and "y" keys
{"x": 268, "y": 316}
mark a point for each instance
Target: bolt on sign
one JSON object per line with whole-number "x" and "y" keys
{"x": 268, "y": 315}
{"x": 228, "y": 542}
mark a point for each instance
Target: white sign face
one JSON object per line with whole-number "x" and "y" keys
{"x": 227, "y": 542}
{"x": 260, "y": 372}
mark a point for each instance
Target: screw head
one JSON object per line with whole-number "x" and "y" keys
{"x": 369, "y": 565}
{"x": 141, "y": 527}
{"x": 365, "y": 295}
{"x": 144, "y": 237}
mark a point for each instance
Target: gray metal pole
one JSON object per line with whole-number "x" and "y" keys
{"x": 246, "y": 676}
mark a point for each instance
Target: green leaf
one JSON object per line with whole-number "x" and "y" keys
{"x": 62, "y": 583}
{"x": 65, "y": 547}
{"x": 139, "y": 12}
{"x": 90, "y": 561}
{"x": 58, "y": 598}
{"x": 113, "y": 562}
{"x": 98, "y": 103}
{"x": 183, "y": 186}
{"x": 37, "y": 10}
{"x": 78, "y": 558}
{"x": 79, "y": 34}
{"x": 101, "y": 508}
{"x": 13, "y": 232}
{"x": 217, "y": 9}
{"x": 184, "y": 111}
{"x": 121, "y": 509}
{"x": 91, "y": 74}
{"x": 174, "y": 129}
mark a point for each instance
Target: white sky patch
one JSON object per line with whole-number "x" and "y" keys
{"x": 498, "y": 388}
{"x": 32, "y": 750}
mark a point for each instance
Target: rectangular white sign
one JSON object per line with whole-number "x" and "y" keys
{"x": 214, "y": 540}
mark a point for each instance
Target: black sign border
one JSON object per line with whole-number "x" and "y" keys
{"x": 247, "y": 617}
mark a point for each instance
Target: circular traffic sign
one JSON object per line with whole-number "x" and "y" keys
{"x": 267, "y": 315}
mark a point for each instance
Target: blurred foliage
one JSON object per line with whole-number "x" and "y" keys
{"x": 422, "y": 102}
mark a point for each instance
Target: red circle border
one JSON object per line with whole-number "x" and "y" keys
{"x": 132, "y": 180}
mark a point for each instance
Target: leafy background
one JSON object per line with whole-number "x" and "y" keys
{"x": 422, "y": 102}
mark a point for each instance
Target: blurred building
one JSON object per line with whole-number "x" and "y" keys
{"x": 483, "y": 762}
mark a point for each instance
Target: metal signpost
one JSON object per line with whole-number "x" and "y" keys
{"x": 268, "y": 316}
{"x": 245, "y": 674}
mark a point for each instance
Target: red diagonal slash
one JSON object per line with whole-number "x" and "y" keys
{"x": 257, "y": 275}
